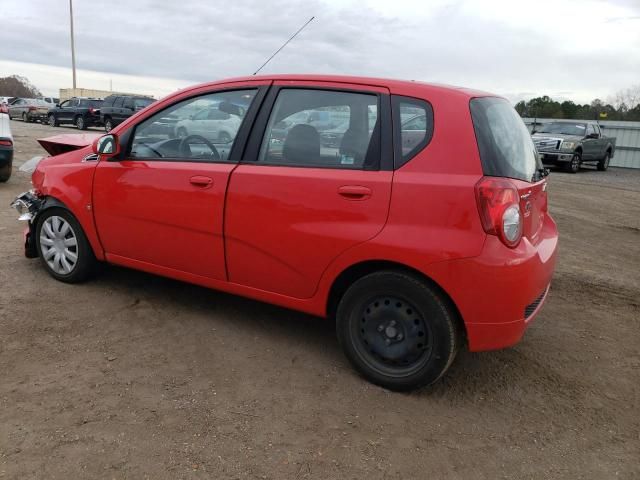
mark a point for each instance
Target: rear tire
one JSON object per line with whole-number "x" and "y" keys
{"x": 5, "y": 173}
{"x": 53, "y": 121}
{"x": 63, "y": 247}
{"x": 604, "y": 163}
{"x": 25, "y": 117}
{"x": 397, "y": 331}
{"x": 80, "y": 123}
{"x": 574, "y": 164}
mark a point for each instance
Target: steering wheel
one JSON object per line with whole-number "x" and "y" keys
{"x": 185, "y": 149}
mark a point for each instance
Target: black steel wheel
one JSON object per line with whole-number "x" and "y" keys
{"x": 396, "y": 330}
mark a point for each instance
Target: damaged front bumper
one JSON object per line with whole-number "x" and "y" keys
{"x": 28, "y": 204}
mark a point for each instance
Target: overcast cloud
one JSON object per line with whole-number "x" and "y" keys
{"x": 564, "y": 48}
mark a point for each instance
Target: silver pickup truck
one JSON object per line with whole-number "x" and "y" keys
{"x": 571, "y": 143}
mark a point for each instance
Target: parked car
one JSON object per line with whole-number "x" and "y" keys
{"x": 117, "y": 108}
{"x": 211, "y": 123}
{"x": 52, "y": 101}
{"x": 29, "y": 109}
{"x": 569, "y": 144}
{"x": 81, "y": 112}
{"x": 6, "y": 100}
{"x": 413, "y": 252}
{"x": 6, "y": 145}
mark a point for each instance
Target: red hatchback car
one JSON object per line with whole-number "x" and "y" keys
{"x": 420, "y": 226}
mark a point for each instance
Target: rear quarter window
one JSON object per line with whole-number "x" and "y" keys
{"x": 413, "y": 127}
{"x": 504, "y": 143}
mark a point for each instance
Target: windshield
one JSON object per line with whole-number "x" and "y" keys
{"x": 564, "y": 128}
{"x": 504, "y": 143}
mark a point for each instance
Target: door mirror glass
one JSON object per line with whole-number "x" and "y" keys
{"x": 107, "y": 145}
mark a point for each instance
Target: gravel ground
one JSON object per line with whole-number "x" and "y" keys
{"x": 136, "y": 376}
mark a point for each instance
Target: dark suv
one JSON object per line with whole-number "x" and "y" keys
{"x": 117, "y": 108}
{"x": 82, "y": 112}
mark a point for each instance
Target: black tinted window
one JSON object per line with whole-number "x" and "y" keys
{"x": 108, "y": 101}
{"x": 505, "y": 145}
{"x": 413, "y": 120}
{"x": 118, "y": 102}
{"x": 323, "y": 128}
{"x": 94, "y": 103}
{"x": 142, "y": 102}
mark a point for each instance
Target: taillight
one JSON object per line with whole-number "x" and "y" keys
{"x": 31, "y": 109}
{"x": 499, "y": 209}
{"x": 6, "y": 143}
{"x": 92, "y": 111}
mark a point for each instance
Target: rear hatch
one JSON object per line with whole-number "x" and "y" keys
{"x": 507, "y": 151}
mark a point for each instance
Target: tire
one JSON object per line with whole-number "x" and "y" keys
{"x": 53, "y": 244}
{"x": 108, "y": 124}
{"x": 5, "y": 173}
{"x": 80, "y": 123}
{"x": 574, "y": 164}
{"x": 397, "y": 331}
{"x": 224, "y": 137}
{"x": 604, "y": 163}
{"x": 53, "y": 121}
{"x": 25, "y": 117}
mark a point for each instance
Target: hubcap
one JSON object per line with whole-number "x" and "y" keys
{"x": 392, "y": 336}
{"x": 59, "y": 245}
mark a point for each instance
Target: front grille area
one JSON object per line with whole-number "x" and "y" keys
{"x": 547, "y": 144}
{"x": 529, "y": 309}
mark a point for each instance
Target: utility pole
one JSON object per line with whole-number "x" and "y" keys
{"x": 73, "y": 48}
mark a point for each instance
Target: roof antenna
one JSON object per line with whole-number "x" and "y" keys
{"x": 284, "y": 44}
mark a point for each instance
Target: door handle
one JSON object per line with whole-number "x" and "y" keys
{"x": 354, "y": 192}
{"x": 201, "y": 181}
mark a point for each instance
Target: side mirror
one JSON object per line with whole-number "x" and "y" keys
{"x": 107, "y": 146}
{"x": 593, "y": 135}
{"x": 533, "y": 132}
{"x": 58, "y": 105}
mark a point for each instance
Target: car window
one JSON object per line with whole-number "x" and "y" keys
{"x": 118, "y": 102}
{"x": 140, "y": 103}
{"x": 128, "y": 103}
{"x": 414, "y": 127}
{"x": 173, "y": 133}
{"x": 323, "y": 128}
{"x": 590, "y": 129}
{"x": 215, "y": 114}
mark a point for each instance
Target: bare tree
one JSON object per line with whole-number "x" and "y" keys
{"x": 17, "y": 86}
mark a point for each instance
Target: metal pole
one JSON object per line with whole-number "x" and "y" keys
{"x": 73, "y": 48}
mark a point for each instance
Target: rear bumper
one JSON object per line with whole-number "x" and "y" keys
{"x": 500, "y": 292}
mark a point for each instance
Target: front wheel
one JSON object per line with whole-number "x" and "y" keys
{"x": 108, "y": 125}
{"x": 80, "y": 123}
{"x": 25, "y": 117}
{"x": 574, "y": 165}
{"x": 53, "y": 121}
{"x": 63, "y": 247}
{"x": 397, "y": 331}
{"x": 604, "y": 163}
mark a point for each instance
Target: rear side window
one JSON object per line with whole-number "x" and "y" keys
{"x": 413, "y": 127}
{"x": 108, "y": 101}
{"x": 142, "y": 102}
{"x": 504, "y": 143}
{"x": 323, "y": 128}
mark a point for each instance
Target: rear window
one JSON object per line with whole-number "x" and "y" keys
{"x": 142, "y": 102}
{"x": 505, "y": 145}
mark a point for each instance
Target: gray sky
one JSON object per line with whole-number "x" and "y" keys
{"x": 578, "y": 49}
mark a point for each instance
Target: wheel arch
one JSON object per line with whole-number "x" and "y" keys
{"x": 358, "y": 270}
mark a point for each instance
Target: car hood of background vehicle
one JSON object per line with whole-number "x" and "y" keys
{"x": 67, "y": 142}
{"x": 572, "y": 138}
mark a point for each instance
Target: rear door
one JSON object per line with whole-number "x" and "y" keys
{"x": 162, "y": 203}
{"x": 295, "y": 203}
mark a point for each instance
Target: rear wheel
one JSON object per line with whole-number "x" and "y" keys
{"x": 80, "y": 123}
{"x": 5, "y": 173}
{"x": 604, "y": 163}
{"x": 63, "y": 247}
{"x": 53, "y": 121}
{"x": 574, "y": 165}
{"x": 396, "y": 330}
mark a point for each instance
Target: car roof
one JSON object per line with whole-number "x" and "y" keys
{"x": 401, "y": 87}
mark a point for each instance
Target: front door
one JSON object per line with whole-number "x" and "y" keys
{"x": 304, "y": 194}
{"x": 162, "y": 203}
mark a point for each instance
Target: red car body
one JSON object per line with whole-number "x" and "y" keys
{"x": 293, "y": 236}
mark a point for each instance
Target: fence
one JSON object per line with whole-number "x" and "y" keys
{"x": 627, "y": 139}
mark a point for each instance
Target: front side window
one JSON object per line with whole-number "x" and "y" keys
{"x": 184, "y": 130}
{"x": 118, "y": 102}
{"x": 323, "y": 128}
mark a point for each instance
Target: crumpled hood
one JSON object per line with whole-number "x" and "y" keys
{"x": 67, "y": 142}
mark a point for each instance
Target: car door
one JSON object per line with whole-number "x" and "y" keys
{"x": 294, "y": 205}
{"x": 67, "y": 110}
{"x": 589, "y": 145}
{"x": 16, "y": 108}
{"x": 127, "y": 108}
{"x": 161, "y": 204}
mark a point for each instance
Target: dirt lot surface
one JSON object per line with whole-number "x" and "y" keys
{"x": 135, "y": 376}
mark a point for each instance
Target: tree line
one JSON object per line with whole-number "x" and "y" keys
{"x": 17, "y": 86}
{"x": 624, "y": 105}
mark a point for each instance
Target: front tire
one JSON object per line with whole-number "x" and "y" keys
{"x": 397, "y": 331}
{"x": 25, "y": 117}
{"x": 604, "y": 163}
{"x": 63, "y": 247}
{"x": 574, "y": 164}
{"x": 108, "y": 125}
{"x": 80, "y": 123}
{"x": 53, "y": 121}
